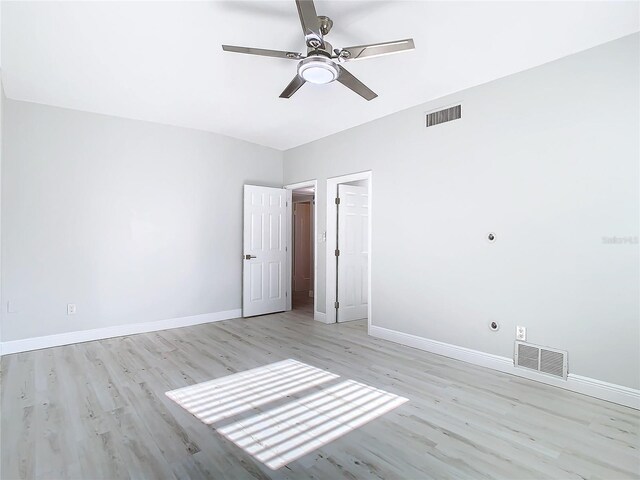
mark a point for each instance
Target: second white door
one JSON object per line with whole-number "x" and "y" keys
{"x": 353, "y": 258}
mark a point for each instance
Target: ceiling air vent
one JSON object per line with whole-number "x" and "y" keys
{"x": 442, "y": 116}
{"x": 541, "y": 359}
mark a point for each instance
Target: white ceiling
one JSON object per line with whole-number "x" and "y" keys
{"x": 162, "y": 61}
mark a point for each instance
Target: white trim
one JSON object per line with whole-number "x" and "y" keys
{"x": 321, "y": 317}
{"x": 289, "y": 248}
{"x": 294, "y": 186}
{"x": 36, "y": 343}
{"x": 619, "y": 394}
{"x": 332, "y": 216}
{"x": 306, "y": 183}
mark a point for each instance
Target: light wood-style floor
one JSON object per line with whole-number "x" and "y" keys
{"x": 98, "y": 410}
{"x": 302, "y": 303}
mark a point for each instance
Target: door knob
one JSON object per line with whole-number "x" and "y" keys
{"x": 249, "y": 257}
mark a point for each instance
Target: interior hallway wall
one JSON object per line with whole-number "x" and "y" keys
{"x": 302, "y": 246}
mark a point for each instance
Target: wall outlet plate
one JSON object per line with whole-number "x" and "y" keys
{"x": 521, "y": 333}
{"x": 71, "y": 308}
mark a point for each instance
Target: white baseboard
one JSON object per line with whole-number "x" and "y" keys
{"x": 619, "y": 394}
{"x": 36, "y": 343}
{"x": 321, "y": 317}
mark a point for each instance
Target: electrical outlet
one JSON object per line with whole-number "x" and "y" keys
{"x": 71, "y": 308}
{"x": 521, "y": 333}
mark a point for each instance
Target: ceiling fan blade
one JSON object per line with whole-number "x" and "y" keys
{"x": 375, "y": 49}
{"x": 293, "y": 87}
{"x": 351, "y": 82}
{"x": 309, "y": 19}
{"x": 263, "y": 52}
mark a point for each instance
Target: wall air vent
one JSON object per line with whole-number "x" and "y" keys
{"x": 442, "y": 116}
{"x": 541, "y": 359}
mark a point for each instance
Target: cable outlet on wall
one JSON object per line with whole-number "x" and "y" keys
{"x": 521, "y": 333}
{"x": 71, "y": 308}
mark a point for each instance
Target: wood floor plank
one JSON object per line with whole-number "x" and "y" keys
{"x": 99, "y": 410}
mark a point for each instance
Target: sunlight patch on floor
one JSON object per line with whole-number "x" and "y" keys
{"x": 280, "y": 434}
{"x": 228, "y": 396}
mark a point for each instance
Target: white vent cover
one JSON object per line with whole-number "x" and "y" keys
{"x": 542, "y": 359}
{"x": 445, "y": 115}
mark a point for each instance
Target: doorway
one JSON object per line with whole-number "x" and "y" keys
{"x": 303, "y": 263}
{"x": 348, "y": 281}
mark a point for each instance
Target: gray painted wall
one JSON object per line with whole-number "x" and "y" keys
{"x": 129, "y": 220}
{"x": 548, "y": 160}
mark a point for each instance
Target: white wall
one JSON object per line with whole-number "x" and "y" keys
{"x": 131, "y": 221}
{"x": 2, "y": 102}
{"x": 548, "y": 160}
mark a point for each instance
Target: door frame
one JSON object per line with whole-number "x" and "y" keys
{"x": 332, "y": 240}
{"x": 293, "y": 186}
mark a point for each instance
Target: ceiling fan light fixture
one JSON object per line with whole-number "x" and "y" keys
{"x": 319, "y": 66}
{"x": 317, "y": 69}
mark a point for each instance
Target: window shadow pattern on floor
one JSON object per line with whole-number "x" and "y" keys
{"x": 282, "y": 411}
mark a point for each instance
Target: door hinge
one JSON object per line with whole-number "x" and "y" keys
{"x": 337, "y": 252}
{"x": 336, "y": 304}
{"x": 337, "y": 200}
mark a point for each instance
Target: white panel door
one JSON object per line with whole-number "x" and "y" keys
{"x": 353, "y": 261}
{"x": 265, "y": 255}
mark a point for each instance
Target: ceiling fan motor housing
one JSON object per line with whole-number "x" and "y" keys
{"x": 325, "y": 50}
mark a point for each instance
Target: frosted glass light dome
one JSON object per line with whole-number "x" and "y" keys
{"x": 318, "y": 69}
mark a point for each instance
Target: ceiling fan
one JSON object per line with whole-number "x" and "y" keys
{"x": 322, "y": 63}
